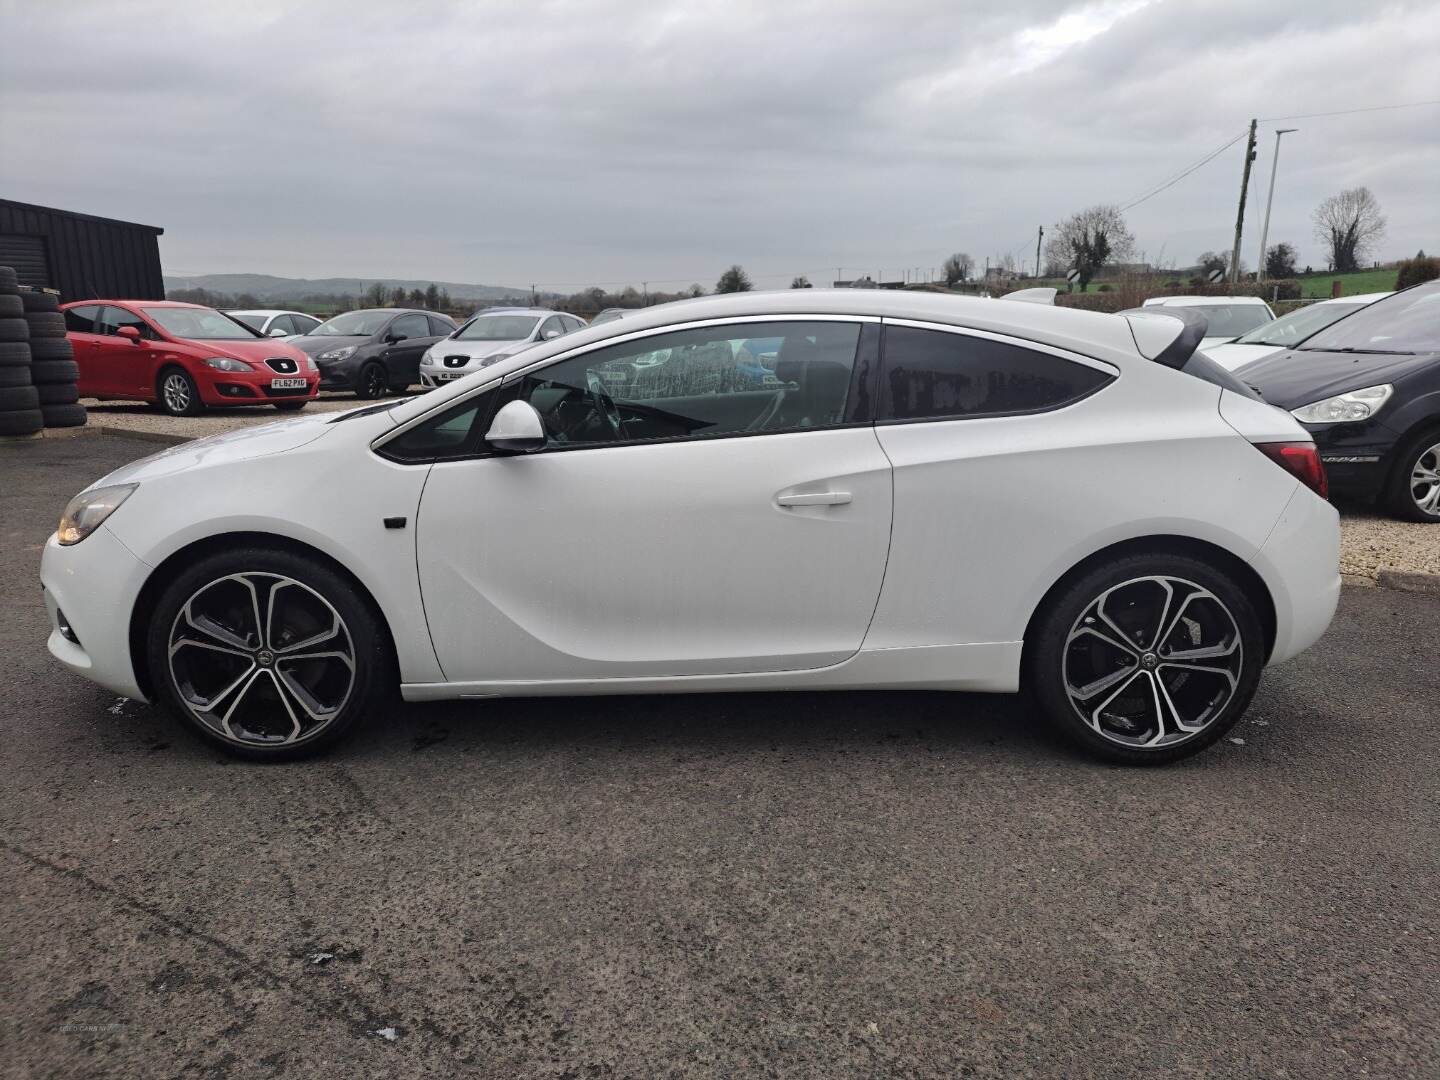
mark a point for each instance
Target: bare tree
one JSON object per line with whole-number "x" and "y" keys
{"x": 734, "y": 280}
{"x": 1349, "y": 225}
{"x": 958, "y": 267}
{"x": 1089, "y": 240}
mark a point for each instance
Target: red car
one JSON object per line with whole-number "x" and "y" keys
{"x": 183, "y": 357}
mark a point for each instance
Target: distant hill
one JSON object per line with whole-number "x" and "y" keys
{"x": 277, "y": 289}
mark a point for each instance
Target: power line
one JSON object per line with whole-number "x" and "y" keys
{"x": 1186, "y": 172}
{"x": 1349, "y": 112}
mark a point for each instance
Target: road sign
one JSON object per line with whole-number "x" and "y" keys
{"x": 1072, "y": 276}
{"x": 1216, "y": 276}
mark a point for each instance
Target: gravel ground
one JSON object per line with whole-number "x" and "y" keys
{"x": 137, "y": 416}
{"x": 778, "y": 885}
{"x": 1372, "y": 544}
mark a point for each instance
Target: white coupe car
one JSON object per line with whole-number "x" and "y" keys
{"x": 920, "y": 491}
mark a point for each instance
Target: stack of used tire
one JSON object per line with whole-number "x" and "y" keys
{"x": 52, "y": 360}
{"x": 19, "y": 401}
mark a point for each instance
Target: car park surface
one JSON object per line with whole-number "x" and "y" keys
{"x": 906, "y": 883}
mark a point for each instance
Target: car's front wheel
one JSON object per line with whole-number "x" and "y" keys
{"x": 1146, "y": 660}
{"x": 371, "y": 382}
{"x": 1414, "y": 492}
{"x": 267, "y": 654}
{"x": 177, "y": 395}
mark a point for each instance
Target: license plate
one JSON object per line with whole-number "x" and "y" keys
{"x": 446, "y": 376}
{"x": 287, "y": 384}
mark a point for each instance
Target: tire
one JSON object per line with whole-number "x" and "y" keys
{"x": 371, "y": 382}
{"x": 64, "y": 415}
{"x": 182, "y": 399}
{"x": 11, "y": 307}
{"x": 252, "y": 720}
{"x": 15, "y": 375}
{"x": 34, "y": 300}
{"x": 45, "y": 324}
{"x": 1065, "y": 653}
{"x": 43, "y": 372}
{"x": 23, "y": 422}
{"x": 8, "y": 281}
{"x": 290, "y": 406}
{"x": 14, "y": 330}
{"x": 19, "y": 399}
{"x": 58, "y": 394}
{"x": 52, "y": 349}
{"x": 1409, "y": 495}
{"x": 14, "y": 354}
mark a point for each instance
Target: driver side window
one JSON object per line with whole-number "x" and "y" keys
{"x": 746, "y": 378}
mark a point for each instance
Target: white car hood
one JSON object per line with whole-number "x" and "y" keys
{"x": 1233, "y": 355}
{"x": 240, "y": 445}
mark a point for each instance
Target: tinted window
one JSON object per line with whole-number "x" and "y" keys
{"x": 1408, "y": 322}
{"x": 439, "y": 327}
{"x": 81, "y": 320}
{"x": 700, "y": 382}
{"x": 255, "y": 322}
{"x": 929, "y": 374}
{"x": 410, "y": 326}
{"x": 447, "y": 435}
{"x": 304, "y": 323}
{"x": 283, "y": 323}
{"x": 112, "y": 318}
{"x": 553, "y": 327}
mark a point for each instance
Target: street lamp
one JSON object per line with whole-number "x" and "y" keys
{"x": 1269, "y": 201}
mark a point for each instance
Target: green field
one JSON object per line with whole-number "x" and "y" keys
{"x": 1366, "y": 281}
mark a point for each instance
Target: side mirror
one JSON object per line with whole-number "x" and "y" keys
{"x": 279, "y": 331}
{"x": 551, "y": 334}
{"x": 130, "y": 334}
{"x": 393, "y": 338}
{"x": 517, "y": 427}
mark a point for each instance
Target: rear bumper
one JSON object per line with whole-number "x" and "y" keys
{"x": 1300, "y": 565}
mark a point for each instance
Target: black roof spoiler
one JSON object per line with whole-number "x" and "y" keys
{"x": 1175, "y": 354}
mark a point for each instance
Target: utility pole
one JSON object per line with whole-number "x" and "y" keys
{"x": 1040, "y": 236}
{"x": 1269, "y": 201}
{"x": 1240, "y": 213}
{"x": 645, "y": 295}
{"x": 532, "y": 295}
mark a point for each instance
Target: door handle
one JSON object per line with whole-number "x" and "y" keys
{"x": 815, "y": 498}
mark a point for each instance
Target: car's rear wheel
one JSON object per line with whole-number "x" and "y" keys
{"x": 1414, "y": 492}
{"x": 267, "y": 654}
{"x": 176, "y": 394}
{"x": 371, "y": 382}
{"x": 1148, "y": 659}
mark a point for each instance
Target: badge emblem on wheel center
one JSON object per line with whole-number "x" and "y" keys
{"x": 265, "y": 658}
{"x": 1149, "y": 661}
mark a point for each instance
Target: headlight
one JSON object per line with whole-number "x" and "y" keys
{"x": 88, "y": 511}
{"x": 1355, "y": 405}
{"x": 337, "y": 354}
{"x": 224, "y": 363}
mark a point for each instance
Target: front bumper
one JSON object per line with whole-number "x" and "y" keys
{"x": 1356, "y": 456}
{"x": 96, "y": 583}
{"x": 223, "y": 390}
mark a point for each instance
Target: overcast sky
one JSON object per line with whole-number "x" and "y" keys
{"x": 574, "y": 143}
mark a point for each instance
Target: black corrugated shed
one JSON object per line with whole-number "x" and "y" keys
{"x": 83, "y": 256}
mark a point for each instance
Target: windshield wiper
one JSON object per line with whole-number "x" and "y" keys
{"x": 1367, "y": 352}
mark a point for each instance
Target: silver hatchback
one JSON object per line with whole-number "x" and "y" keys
{"x": 491, "y": 336}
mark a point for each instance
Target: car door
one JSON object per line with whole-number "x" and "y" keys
{"x": 412, "y": 336}
{"x": 85, "y": 338}
{"x": 125, "y": 368}
{"x": 679, "y": 520}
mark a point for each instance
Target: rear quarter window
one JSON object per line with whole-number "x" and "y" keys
{"x": 937, "y": 374}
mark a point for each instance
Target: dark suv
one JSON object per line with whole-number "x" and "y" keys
{"x": 375, "y": 350}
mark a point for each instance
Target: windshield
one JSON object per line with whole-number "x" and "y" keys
{"x": 1294, "y": 328}
{"x": 204, "y": 324}
{"x": 1232, "y": 320}
{"x": 353, "y": 324}
{"x": 1408, "y": 322}
{"x": 497, "y": 328}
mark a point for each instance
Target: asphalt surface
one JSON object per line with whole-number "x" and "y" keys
{"x": 812, "y": 885}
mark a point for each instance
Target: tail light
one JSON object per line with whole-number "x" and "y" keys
{"x": 1302, "y": 460}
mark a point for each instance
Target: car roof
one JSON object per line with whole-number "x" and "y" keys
{"x": 139, "y": 303}
{"x": 515, "y": 311}
{"x": 1188, "y": 301}
{"x": 1358, "y": 298}
{"x": 266, "y": 311}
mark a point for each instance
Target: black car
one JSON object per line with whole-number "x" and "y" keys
{"x": 374, "y": 350}
{"x": 1368, "y": 390}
